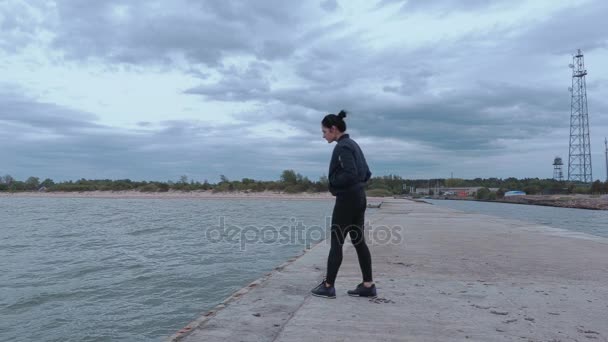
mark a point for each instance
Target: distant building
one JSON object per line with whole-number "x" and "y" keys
{"x": 514, "y": 193}
{"x": 422, "y": 191}
{"x": 460, "y": 192}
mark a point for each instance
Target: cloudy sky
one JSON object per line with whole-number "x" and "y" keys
{"x": 151, "y": 90}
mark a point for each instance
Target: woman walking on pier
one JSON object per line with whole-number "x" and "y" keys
{"x": 348, "y": 173}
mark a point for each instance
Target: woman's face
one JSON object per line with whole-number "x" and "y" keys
{"x": 330, "y": 134}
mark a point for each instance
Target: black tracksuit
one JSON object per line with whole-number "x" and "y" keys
{"x": 348, "y": 173}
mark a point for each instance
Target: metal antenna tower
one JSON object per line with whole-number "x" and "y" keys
{"x": 606, "y": 152}
{"x": 579, "y": 161}
{"x": 557, "y": 169}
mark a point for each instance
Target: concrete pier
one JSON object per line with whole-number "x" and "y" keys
{"x": 452, "y": 277}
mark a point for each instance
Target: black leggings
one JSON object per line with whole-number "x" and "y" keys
{"x": 348, "y": 218}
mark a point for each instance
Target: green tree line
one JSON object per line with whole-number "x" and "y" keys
{"x": 292, "y": 182}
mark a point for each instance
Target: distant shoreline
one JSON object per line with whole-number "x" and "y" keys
{"x": 131, "y": 194}
{"x": 559, "y": 201}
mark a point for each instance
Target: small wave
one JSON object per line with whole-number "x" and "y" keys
{"x": 146, "y": 231}
{"x": 43, "y": 298}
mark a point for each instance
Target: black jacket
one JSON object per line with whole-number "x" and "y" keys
{"x": 348, "y": 169}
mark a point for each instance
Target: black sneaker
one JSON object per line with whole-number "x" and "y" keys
{"x": 362, "y": 291}
{"x": 323, "y": 291}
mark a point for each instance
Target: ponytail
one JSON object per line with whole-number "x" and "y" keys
{"x": 335, "y": 120}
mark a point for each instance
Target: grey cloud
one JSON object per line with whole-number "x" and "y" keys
{"x": 43, "y": 115}
{"x": 147, "y": 39}
{"x": 141, "y": 31}
{"x": 383, "y": 3}
{"x": 462, "y": 96}
{"x": 391, "y": 89}
{"x": 411, "y": 81}
{"x": 237, "y": 85}
{"x": 473, "y": 117}
{"x": 275, "y": 49}
{"x": 455, "y": 121}
{"x": 347, "y": 62}
{"x": 451, "y": 4}
{"x": 440, "y": 5}
{"x": 341, "y": 72}
{"x": 581, "y": 26}
{"x": 204, "y": 32}
{"x": 251, "y": 12}
{"x": 20, "y": 24}
{"x": 318, "y": 32}
{"x": 330, "y": 5}
{"x": 47, "y": 140}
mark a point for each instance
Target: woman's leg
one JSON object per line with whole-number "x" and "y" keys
{"x": 335, "y": 255}
{"x": 341, "y": 218}
{"x": 357, "y": 237}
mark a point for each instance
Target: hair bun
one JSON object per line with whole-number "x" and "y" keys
{"x": 342, "y": 114}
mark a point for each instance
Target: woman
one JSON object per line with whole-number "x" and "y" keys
{"x": 348, "y": 173}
